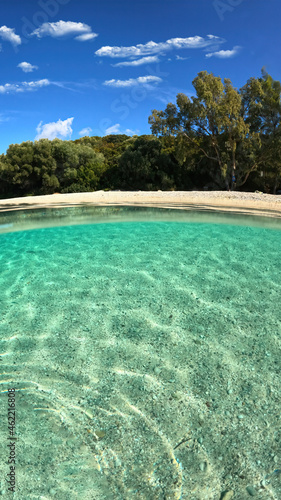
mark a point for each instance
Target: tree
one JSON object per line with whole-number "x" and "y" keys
{"x": 17, "y": 168}
{"x": 145, "y": 166}
{"x": 261, "y": 99}
{"x": 213, "y": 124}
{"x": 67, "y": 161}
{"x": 112, "y": 147}
{"x": 44, "y": 167}
{"x": 91, "y": 166}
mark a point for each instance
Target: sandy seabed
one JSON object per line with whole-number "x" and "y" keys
{"x": 141, "y": 376}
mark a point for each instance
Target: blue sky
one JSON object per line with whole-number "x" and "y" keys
{"x": 71, "y": 68}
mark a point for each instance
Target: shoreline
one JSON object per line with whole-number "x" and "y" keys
{"x": 222, "y": 201}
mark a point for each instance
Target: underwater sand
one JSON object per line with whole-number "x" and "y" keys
{"x": 146, "y": 361}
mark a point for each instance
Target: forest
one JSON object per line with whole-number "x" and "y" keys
{"x": 219, "y": 139}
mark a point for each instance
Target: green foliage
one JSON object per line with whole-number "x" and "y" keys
{"x": 210, "y": 125}
{"x": 221, "y": 138}
{"x": 145, "y": 166}
{"x": 262, "y": 110}
{"x": 44, "y": 167}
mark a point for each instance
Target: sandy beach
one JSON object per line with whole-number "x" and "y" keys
{"x": 238, "y": 202}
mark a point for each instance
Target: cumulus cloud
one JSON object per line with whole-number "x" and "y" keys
{"x": 9, "y": 35}
{"x": 59, "y": 29}
{"x": 27, "y": 67}
{"x": 195, "y": 42}
{"x": 9, "y": 88}
{"x": 115, "y": 129}
{"x": 225, "y": 54}
{"x": 138, "y": 62}
{"x": 60, "y": 129}
{"x": 141, "y": 80}
{"x": 85, "y": 131}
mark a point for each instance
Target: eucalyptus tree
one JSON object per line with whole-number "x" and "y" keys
{"x": 212, "y": 125}
{"x": 261, "y": 99}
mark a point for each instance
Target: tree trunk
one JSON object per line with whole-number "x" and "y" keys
{"x": 233, "y": 177}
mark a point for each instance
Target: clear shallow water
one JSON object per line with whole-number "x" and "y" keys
{"x": 146, "y": 360}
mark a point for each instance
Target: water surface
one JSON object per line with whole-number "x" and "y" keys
{"x": 145, "y": 357}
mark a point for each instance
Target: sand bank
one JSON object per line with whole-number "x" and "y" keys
{"x": 239, "y": 202}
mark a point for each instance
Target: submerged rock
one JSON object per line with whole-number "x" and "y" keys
{"x": 227, "y": 495}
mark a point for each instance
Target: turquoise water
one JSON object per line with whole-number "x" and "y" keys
{"x": 145, "y": 358}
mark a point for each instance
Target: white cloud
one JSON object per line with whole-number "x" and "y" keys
{"x": 27, "y": 67}
{"x": 9, "y": 35}
{"x": 225, "y": 54}
{"x": 138, "y": 62}
{"x": 85, "y": 131}
{"x": 141, "y": 80}
{"x": 86, "y": 37}
{"x": 179, "y": 58}
{"x": 60, "y": 129}
{"x": 23, "y": 86}
{"x": 4, "y": 118}
{"x": 195, "y": 42}
{"x": 115, "y": 129}
{"x": 63, "y": 28}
